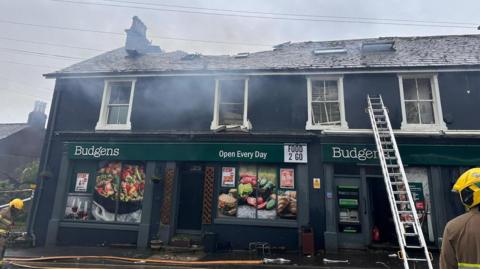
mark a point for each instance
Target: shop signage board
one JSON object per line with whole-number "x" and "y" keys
{"x": 237, "y": 152}
{"x": 411, "y": 154}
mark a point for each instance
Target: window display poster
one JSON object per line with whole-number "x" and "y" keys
{"x": 228, "y": 176}
{"x": 287, "y": 178}
{"x": 82, "y": 182}
{"x": 77, "y": 207}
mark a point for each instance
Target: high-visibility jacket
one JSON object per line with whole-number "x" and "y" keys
{"x": 461, "y": 242}
{"x": 5, "y": 220}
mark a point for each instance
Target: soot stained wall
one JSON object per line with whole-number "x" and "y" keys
{"x": 277, "y": 103}
{"x": 179, "y": 103}
{"x": 79, "y": 105}
{"x": 459, "y": 106}
{"x": 356, "y": 89}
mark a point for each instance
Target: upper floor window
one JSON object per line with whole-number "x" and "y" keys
{"x": 116, "y": 105}
{"x": 420, "y": 102}
{"x": 326, "y": 108}
{"x": 231, "y": 103}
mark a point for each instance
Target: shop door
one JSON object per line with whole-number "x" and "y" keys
{"x": 380, "y": 212}
{"x": 191, "y": 197}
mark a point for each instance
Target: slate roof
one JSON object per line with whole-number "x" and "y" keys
{"x": 409, "y": 52}
{"x": 8, "y": 129}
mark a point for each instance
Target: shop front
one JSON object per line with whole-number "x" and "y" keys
{"x": 128, "y": 193}
{"x": 359, "y": 212}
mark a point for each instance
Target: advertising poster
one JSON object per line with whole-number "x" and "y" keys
{"x": 228, "y": 177}
{"x": 82, "y": 182}
{"x": 287, "y": 178}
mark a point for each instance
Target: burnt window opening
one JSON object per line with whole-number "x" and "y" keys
{"x": 231, "y": 102}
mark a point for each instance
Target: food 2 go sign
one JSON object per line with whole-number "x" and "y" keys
{"x": 295, "y": 153}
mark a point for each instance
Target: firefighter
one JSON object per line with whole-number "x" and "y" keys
{"x": 7, "y": 216}
{"x": 461, "y": 239}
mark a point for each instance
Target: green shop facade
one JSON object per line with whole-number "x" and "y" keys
{"x": 356, "y": 207}
{"x": 130, "y": 193}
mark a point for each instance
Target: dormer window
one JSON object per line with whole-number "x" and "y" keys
{"x": 116, "y": 105}
{"x": 231, "y": 104}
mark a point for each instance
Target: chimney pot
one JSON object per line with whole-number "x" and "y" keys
{"x": 37, "y": 117}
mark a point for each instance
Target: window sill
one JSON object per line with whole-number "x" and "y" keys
{"x": 320, "y": 127}
{"x": 423, "y": 127}
{"x": 113, "y": 127}
{"x": 99, "y": 225}
{"x": 257, "y": 222}
{"x": 246, "y": 127}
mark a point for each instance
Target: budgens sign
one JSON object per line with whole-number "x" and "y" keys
{"x": 355, "y": 153}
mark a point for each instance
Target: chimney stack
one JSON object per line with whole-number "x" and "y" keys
{"x": 37, "y": 117}
{"x": 137, "y": 42}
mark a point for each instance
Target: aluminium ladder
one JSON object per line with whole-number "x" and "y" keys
{"x": 411, "y": 241}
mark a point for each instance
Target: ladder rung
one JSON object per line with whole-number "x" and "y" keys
{"x": 402, "y": 202}
{"x": 397, "y": 183}
{"x": 395, "y": 174}
{"x": 400, "y": 192}
{"x": 377, "y": 110}
{"x": 393, "y": 166}
{"x": 379, "y": 116}
{"x": 407, "y": 246}
{"x": 417, "y": 259}
{"x": 410, "y": 234}
{"x": 408, "y": 222}
{"x": 380, "y": 122}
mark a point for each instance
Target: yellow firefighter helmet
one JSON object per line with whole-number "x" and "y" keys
{"x": 16, "y": 203}
{"x": 468, "y": 186}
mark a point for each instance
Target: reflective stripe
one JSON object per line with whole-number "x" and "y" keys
{"x": 5, "y": 221}
{"x": 463, "y": 265}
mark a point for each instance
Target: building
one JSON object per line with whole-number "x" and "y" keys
{"x": 253, "y": 147}
{"x": 21, "y": 143}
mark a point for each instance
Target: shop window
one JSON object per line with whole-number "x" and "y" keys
{"x": 116, "y": 105}
{"x": 112, "y": 193}
{"x": 325, "y": 103}
{"x": 231, "y": 104}
{"x": 421, "y": 107}
{"x": 261, "y": 192}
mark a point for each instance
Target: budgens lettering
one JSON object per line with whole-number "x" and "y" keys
{"x": 358, "y": 154}
{"x": 96, "y": 152}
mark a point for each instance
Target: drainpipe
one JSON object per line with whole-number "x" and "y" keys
{"x": 45, "y": 153}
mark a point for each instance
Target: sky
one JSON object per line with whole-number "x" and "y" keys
{"x": 42, "y": 36}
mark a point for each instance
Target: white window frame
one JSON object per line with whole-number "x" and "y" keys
{"x": 103, "y": 117}
{"x": 216, "y": 109}
{"x": 310, "y": 124}
{"x": 437, "y": 107}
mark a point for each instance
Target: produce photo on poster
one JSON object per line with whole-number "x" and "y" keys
{"x": 247, "y": 204}
{"x": 266, "y": 192}
{"x": 82, "y": 182}
{"x": 228, "y": 177}
{"x": 118, "y": 183}
{"x": 77, "y": 207}
{"x": 287, "y": 204}
{"x": 287, "y": 179}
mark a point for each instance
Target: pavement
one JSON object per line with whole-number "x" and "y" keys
{"x": 196, "y": 258}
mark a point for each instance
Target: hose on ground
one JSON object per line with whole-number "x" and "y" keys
{"x": 136, "y": 260}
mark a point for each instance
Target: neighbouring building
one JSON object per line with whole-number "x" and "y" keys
{"x": 144, "y": 143}
{"x": 21, "y": 143}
